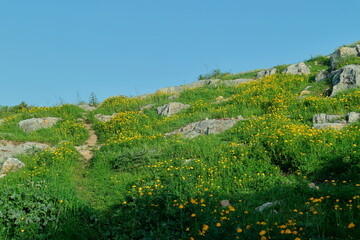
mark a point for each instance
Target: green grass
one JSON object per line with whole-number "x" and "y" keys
{"x": 141, "y": 185}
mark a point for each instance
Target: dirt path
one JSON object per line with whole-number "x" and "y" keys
{"x": 91, "y": 144}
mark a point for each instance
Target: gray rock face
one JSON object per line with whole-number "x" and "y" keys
{"x": 104, "y": 118}
{"x": 171, "y": 108}
{"x": 346, "y": 78}
{"x": 326, "y": 118}
{"x": 297, "y": 69}
{"x": 205, "y": 127}
{"x": 202, "y": 83}
{"x": 266, "y": 72}
{"x": 10, "y": 165}
{"x": 146, "y": 107}
{"x": 336, "y": 126}
{"x": 353, "y": 117}
{"x": 343, "y": 52}
{"x": 10, "y": 149}
{"x": 33, "y": 124}
{"x": 322, "y": 75}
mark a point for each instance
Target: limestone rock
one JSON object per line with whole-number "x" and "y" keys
{"x": 346, "y": 78}
{"x": 10, "y": 149}
{"x": 336, "y": 126}
{"x": 353, "y": 117}
{"x": 297, "y": 69}
{"x": 10, "y": 165}
{"x": 146, "y": 107}
{"x": 104, "y": 118}
{"x": 326, "y": 118}
{"x": 305, "y": 91}
{"x": 343, "y": 52}
{"x": 266, "y": 72}
{"x": 87, "y": 107}
{"x": 171, "y": 108}
{"x": 322, "y": 75}
{"x": 33, "y": 124}
{"x": 267, "y": 205}
{"x": 205, "y": 127}
{"x": 225, "y": 203}
{"x": 202, "y": 83}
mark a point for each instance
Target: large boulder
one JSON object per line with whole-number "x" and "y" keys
{"x": 171, "y": 108}
{"x": 345, "y": 78}
{"x": 10, "y": 165}
{"x": 10, "y": 149}
{"x": 297, "y": 69}
{"x": 33, "y": 124}
{"x": 206, "y": 127}
{"x": 266, "y": 72}
{"x": 326, "y": 118}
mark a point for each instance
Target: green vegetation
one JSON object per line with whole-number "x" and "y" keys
{"x": 142, "y": 185}
{"x": 218, "y": 74}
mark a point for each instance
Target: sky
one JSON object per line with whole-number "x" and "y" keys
{"x": 60, "y": 51}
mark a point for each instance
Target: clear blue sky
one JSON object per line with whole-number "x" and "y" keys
{"x": 62, "y": 50}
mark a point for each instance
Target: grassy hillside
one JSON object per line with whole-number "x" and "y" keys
{"x": 142, "y": 185}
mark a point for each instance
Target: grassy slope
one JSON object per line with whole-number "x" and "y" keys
{"x": 138, "y": 185}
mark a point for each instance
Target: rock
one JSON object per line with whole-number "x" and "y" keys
{"x": 353, "y": 117}
{"x": 1, "y": 121}
{"x": 174, "y": 96}
{"x": 267, "y": 205}
{"x": 171, "y": 108}
{"x": 336, "y": 126}
{"x": 225, "y": 203}
{"x": 343, "y": 52}
{"x": 10, "y": 165}
{"x": 33, "y": 124}
{"x": 325, "y": 118}
{"x": 322, "y": 75}
{"x": 10, "y": 149}
{"x": 266, "y": 72}
{"x": 202, "y": 83}
{"x": 345, "y": 78}
{"x": 87, "y": 107}
{"x": 305, "y": 91}
{"x": 205, "y": 127}
{"x": 221, "y": 99}
{"x": 104, "y": 118}
{"x": 297, "y": 69}
{"x": 146, "y": 107}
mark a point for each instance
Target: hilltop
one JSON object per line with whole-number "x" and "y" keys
{"x": 266, "y": 154}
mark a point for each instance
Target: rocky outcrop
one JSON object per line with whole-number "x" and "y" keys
{"x": 297, "y": 69}
{"x": 343, "y": 52}
{"x": 326, "y": 118}
{"x": 206, "y": 127}
{"x": 33, "y": 124}
{"x": 322, "y": 75}
{"x": 266, "y": 72}
{"x": 104, "y": 118}
{"x": 10, "y": 148}
{"x": 10, "y": 165}
{"x": 202, "y": 83}
{"x": 345, "y": 78}
{"x": 171, "y": 108}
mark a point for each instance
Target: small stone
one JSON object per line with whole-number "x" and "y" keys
{"x": 225, "y": 203}
{"x": 11, "y": 165}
